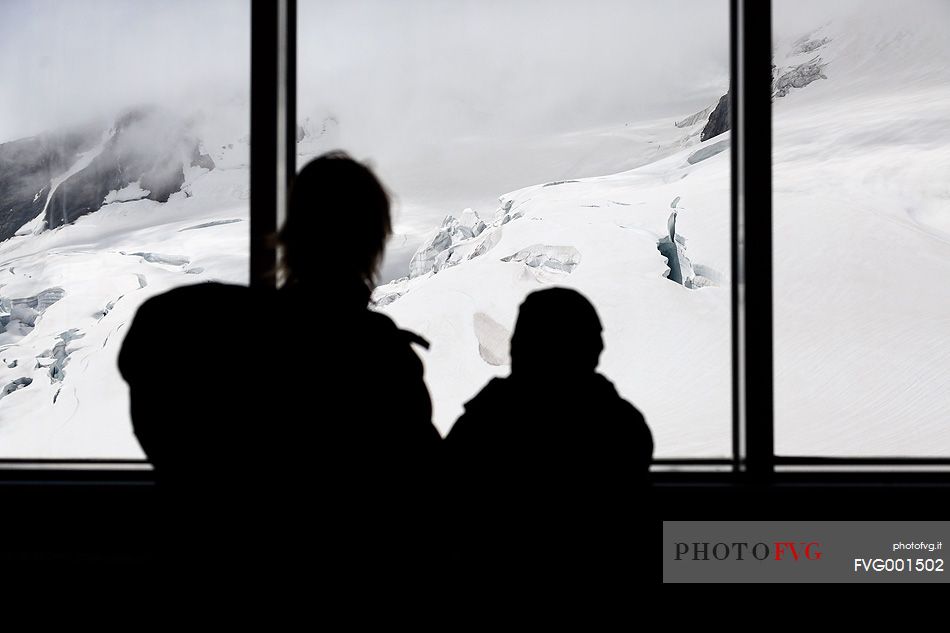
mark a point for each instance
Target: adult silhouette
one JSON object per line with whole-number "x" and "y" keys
{"x": 291, "y": 426}
{"x": 549, "y": 461}
{"x": 188, "y": 364}
{"x": 352, "y": 384}
{"x": 372, "y": 396}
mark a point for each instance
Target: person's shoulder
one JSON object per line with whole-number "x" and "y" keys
{"x": 481, "y": 415}
{"x": 186, "y": 309}
{"x": 199, "y": 295}
{"x": 381, "y": 325}
{"x": 379, "y": 321}
{"x": 175, "y": 320}
{"x": 608, "y": 394}
{"x": 624, "y": 422}
{"x": 497, "y": 389}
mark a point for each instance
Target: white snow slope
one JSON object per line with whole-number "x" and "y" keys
{"x": 667, "y": 348}
{"x": 861, "y": 252}
{"x": 862, "y": 239}
{"x": 105, "y": 265}
{"x": 862, "y": 249}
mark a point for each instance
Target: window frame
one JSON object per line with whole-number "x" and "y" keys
{"x": 754, "y": 72}
{"x": 273, "y": 33}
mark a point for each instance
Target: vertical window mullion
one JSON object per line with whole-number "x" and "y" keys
{"x": 738, "y": 329}
{"x": 265, "y": 25}
{"x": 290, "y": 92}
{"x": 754, "y": 147}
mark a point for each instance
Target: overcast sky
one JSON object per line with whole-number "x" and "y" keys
{"x": 459, "y": 101}
{"x": 576, "y": 62}
{"x": 454, "y": 101}
{"x": 448, "y": 98}
{"x": 514, "y": 66}
{"x": 63, "y": 61}
{"x": 511, "y": 66}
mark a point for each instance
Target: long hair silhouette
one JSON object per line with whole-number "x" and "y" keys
{"x": 337, "y": 224}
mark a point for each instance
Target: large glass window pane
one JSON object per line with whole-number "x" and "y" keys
{"x": 531, "y": 144}
{"x": 862, "y": 228}
{"x": 123, "y": 173}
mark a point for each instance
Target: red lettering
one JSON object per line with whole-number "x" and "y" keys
{"x": 780, "y": 550}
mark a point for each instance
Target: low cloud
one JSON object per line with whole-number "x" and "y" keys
{"x": 65, "y": 62}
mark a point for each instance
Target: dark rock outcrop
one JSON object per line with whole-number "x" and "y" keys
{"x": 718, "y": 119}
{"x": 783, "y": 80}
{"x": 148, "y": 146}
{"x": 28, "y": 165}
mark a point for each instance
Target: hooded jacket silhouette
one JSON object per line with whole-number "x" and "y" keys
{"x": 550, "y": 456}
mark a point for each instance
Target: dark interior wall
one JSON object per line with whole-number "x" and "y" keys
{"x": 82, "y": 522}
{"x": 107, "y": 522}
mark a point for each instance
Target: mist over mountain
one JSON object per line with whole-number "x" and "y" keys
{"x": 58, "y": 177}
{"x": 28, "y": 166}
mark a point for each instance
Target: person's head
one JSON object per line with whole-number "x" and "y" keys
{"x": 557, "y": 333}
{"x": 337, "y": 224}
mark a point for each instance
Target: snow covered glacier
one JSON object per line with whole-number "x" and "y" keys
{"x": 67, "y": 292}
{"x": 861, "y": 249}
{"x": 667, "y": 347}
{"x": 861, "y": 163}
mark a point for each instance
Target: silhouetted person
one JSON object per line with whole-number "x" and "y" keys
{"x": 549, "y": 461}
{"x": 290, "y": 429}
{"x": 351, "y": 384}
{"x": 200, "y": 417}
